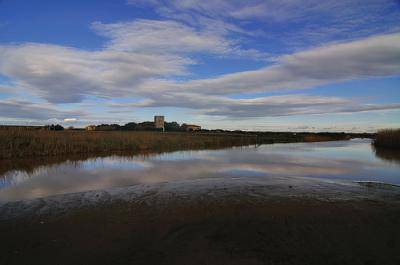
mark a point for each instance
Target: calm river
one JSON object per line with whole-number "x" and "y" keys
{"x": 353, "y": 160}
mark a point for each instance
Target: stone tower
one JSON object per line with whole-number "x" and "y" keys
{"x": 159, "y": 122}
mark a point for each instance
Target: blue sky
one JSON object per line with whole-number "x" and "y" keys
{"x": 254, "y": 65}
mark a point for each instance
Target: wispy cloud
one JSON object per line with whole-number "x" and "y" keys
{"x": 272, "y": 106}
{"x": 136, "y": 51}
{"x": 377, "y": 56}
{"x": 146, "y": 59}
{"x": 60, "y": 74}
{"x": 152, "y": 36}
{"x": 18, "y": 109}
{"x": 167, "y": 36}
{"x": 312, "y": 22}
{"x": 67, "y": 75}
{"x": 70, "y": 120}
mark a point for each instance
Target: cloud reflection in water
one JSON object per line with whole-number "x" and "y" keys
{"x": 351, "y": 160}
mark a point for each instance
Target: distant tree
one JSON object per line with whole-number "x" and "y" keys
{"x": 145, "y": 126}
{"x": 53, "y": 127}
{"x": 172, "y": 126}
{"x": 108, "y": 127}
{"x": 58, "y": 127}
{"x": 131, "y": 126}
{"x": 115, "y": 127}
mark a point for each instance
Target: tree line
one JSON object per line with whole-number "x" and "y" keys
{"x": 131, "y": 126}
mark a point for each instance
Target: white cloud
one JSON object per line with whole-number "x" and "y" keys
{"x": 377, "y": 56}
{"x": 171, "y": 37}
{"x": 152, "y": 36}
{"x": 306, "y": 22}
{"x": 272, "y": 106}
{"x": 18, "y": 109}
{"x": 70, "y": 120}
{"x": 64, "y": 75}
{"x": 277, "y": 10}
{"x": 142, "y": 59}
{"x": 5, "y": 89}
{"x": 137, "y": 51}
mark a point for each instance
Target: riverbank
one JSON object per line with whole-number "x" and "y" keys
{"x": 28, "y": 143}
{"x": 275, "y": 221}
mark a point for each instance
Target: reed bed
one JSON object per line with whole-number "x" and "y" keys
{"x": 30, "y": 142}
{"x": 22, "y": 143}
{"x": 388, "y": 138}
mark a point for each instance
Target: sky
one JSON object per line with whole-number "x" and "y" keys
{"x": 271, "y": 65}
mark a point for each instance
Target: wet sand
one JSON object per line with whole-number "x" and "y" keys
{"x": 301, "y": 221}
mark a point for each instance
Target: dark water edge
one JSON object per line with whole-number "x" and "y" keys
{"x": 391, "y": 155}
{"x": 388, "y": 139}
{"x": 303, "y": 221}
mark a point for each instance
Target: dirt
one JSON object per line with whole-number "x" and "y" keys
{"x": 230, "y": 228}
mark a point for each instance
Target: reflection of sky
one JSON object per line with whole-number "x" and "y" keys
{"x": 348, "y": 160}
{"x": 114, "y": 163}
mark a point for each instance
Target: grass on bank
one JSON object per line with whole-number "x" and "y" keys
{"x": 19, "y": 143}
{"x": 388, "y": 138}
{"x": 28, "y": 143}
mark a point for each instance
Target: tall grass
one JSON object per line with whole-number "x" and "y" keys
{"x": 25, "y": 142}
{"x": 388, "y": 138}
{"x": 20, "y": 143}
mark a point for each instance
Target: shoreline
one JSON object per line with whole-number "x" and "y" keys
{"x": 265, "y": 188}
{"x": 306, "y": 221}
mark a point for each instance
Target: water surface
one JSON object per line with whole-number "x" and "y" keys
{"x": 353, "y": 160}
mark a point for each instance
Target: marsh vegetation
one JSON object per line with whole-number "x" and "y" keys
{"x": 388, "y": 138}
{"x": 33, "y": 142}
{"x": 18, "y": 143}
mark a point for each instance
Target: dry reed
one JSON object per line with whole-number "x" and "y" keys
{"x": 388, "y": 138}
{"x": 19, "y": 143}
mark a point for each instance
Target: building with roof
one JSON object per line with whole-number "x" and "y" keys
{"x": 90, "y": 128}
{"x": 191, "y": 127}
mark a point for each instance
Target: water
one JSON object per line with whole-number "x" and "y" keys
{"x": 353, "y": 160}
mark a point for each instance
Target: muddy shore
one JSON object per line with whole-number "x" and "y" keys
{"x": 275, "y": 221}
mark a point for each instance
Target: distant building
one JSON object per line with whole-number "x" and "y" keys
{"x": 159, "y": 122}
{"x": 91, "y": 128}
{"x": 191, "y": 127}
